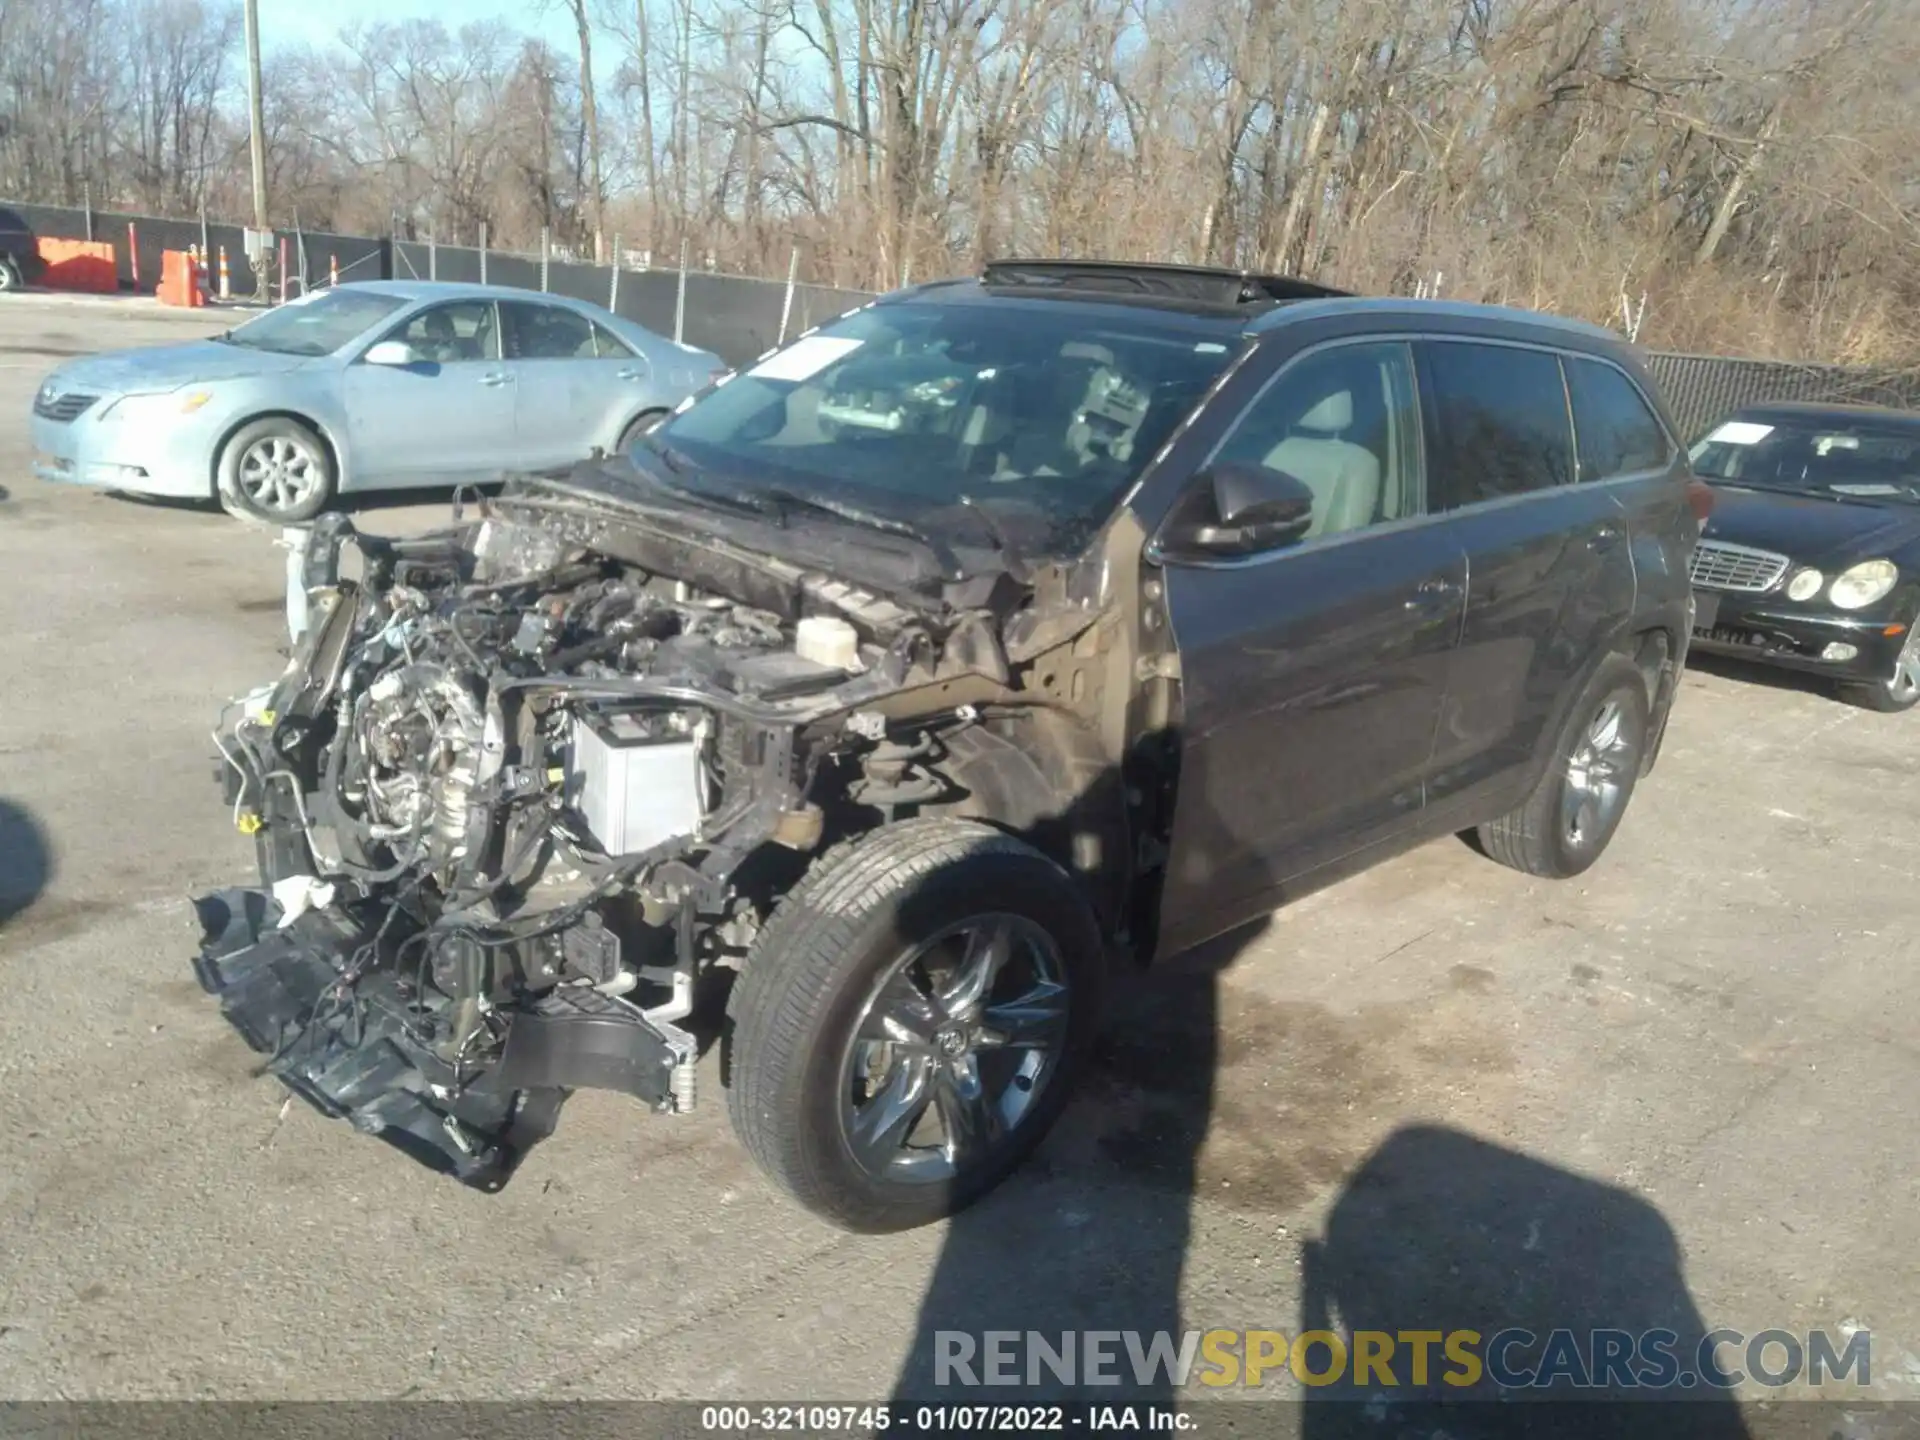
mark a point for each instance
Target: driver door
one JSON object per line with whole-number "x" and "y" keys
{"x": 445, "y": 419}
{"x": 1313, "y": 673}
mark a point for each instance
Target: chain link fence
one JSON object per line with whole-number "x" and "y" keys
{"x": 1702, "y": 390}
{"x": 739, "y": 317}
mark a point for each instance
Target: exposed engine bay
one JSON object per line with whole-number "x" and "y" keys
{"x": 527, "y": 780}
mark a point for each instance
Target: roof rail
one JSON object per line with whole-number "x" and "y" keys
{"x": 1202, "y": 283}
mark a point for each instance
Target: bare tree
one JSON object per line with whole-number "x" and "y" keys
{"x": 590, "y": 122}
{"x": 1751, "y": 166}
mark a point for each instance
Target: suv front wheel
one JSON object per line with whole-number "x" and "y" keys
{"x": 909, "y": 1024}
{"x": 1565, "y": 824}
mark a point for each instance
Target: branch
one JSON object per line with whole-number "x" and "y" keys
{"x": 789, "y": 122}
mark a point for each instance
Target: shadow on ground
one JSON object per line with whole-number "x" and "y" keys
{"x": 26, "y": 861}
{"x": 1093, "y": 1233}
{"x": 1752, "y": 672}
{"x": 1440, "y": 1231}
{"x": 1433, "y": 1230}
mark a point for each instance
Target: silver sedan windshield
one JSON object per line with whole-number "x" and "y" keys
{"x": 318, "y": 325}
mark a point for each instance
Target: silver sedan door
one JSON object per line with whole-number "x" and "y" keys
{"x": 564, "y": 387}
{"x": 444, "y": 417}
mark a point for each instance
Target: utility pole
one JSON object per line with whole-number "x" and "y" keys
{"x": 257, "y": 118}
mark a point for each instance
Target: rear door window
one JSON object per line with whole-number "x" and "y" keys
{"x": 1614, "y": 429}
{"x": 1499, "y": 422}
{"x": 547, "y": 332}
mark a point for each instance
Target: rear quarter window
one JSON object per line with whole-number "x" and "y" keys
{"x": 1615, "y": 431}
{"x": 1499, "y": 424}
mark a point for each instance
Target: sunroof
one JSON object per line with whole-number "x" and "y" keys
{"x": 1201, "y": 284}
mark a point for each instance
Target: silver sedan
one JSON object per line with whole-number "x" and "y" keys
{"x": 378, "y": 385}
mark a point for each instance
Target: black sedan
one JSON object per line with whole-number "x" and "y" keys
{"x": 1811, "y": 558}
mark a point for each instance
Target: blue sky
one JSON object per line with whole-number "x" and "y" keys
{"x": 319, "y": 21}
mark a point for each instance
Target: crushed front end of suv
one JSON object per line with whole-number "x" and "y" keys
{"x": 879, "y": 705}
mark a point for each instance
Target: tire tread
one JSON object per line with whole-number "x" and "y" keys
{"x": 779, "y": 1003}
{"x": 1526, "y": 838}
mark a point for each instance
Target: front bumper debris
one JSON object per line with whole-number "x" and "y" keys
{"x": 1797, "y": 639}
{"x": 342, "y": 1028}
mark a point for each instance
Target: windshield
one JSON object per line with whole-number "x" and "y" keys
{"x": 1842, "y": 462}
{"x": 923, "y": 411}
{"x": 316, "y": 325}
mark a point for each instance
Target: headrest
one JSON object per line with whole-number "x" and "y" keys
{"x": 1335, "y": 413}
{"x": 1085, "y": 350}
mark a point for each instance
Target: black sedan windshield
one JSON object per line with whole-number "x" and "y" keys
{"x": 911, "y": 408}
{"x": 318, "y": 325}
{"x": 1805, "y": 457}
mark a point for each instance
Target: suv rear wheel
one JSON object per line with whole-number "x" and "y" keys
{"x": 911, "y": 1020}
{"x": 1565, "y": 824}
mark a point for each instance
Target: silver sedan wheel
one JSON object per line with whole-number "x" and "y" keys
{"x": 953, "y": 1048}
{"x": 1597, "y": 773}
{"x": 278, "y": 473}
{"x": 1904, "y": 684}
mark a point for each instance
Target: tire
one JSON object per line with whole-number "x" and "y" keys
{"x": 810, "y": 1071}
{"x": 1900, "y": 690}
{"x": 1574, "y": 810}
{"x": 275, "y": 470}
{"x": 639, "y": 426}
{"x": 10, "y": 277}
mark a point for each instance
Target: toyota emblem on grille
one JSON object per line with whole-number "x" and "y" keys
{"x": 48, "y": 394}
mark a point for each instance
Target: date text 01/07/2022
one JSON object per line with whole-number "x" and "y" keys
{"x": 939, "y": 1419}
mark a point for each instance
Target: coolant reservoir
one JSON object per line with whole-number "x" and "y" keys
{"x": 827, "y": 641}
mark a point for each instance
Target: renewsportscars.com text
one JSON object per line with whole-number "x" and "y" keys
{"x": 1511, "y": 1359}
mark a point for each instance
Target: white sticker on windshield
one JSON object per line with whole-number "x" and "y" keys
{"x": 806, "y": 358}
{"x": 1740, "y": 432}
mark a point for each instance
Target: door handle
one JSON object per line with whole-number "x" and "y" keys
{"x": 497, "y": 377}
{"x": 630, "y": 374}
{"x": 1434, "y": 593}
{"x": 1606, "y": 535}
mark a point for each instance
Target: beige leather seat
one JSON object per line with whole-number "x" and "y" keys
{"x": 1344, "y": 477}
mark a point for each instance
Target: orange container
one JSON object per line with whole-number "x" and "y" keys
{"x": 179, "y": 279}
{"x": 78, "y": 265}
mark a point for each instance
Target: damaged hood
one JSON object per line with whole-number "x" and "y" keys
{"x": 930, "y": 571}
{"x": 167, "y": 367}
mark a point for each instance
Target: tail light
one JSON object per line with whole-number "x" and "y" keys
{"x": 1700, "y": 501}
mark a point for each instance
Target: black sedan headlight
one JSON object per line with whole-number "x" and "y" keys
{"x": 1860, "y": 586}
{"x": 1805, "y": 584}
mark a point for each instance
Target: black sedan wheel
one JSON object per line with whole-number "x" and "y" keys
{"x": 910, "y": 1022}
{"x": 1900, "y": 690}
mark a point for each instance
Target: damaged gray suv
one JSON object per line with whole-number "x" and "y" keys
{"x": 910, "y": 683}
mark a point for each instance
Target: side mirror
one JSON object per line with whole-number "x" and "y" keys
{"x": 391, "y": 352}
{"x": 1235, "y": 508}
